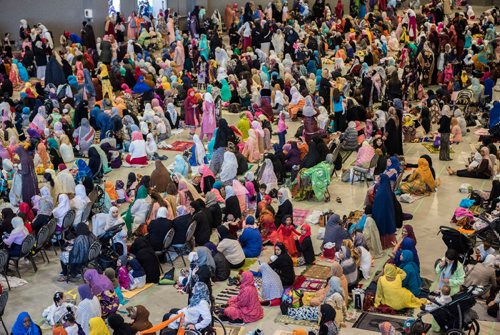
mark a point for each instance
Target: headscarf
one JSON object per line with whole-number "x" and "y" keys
{"x": 224, "y": 233}
{"x": 327, "y": 314}
{"x": 383, "y": 207}
{"x": 386, "y": 328}
{"x": 205, "y": 258}
{"x": 272, "y": 288}
{"x": 181, "y": 166}
{"x": 63, "y": 206}
{"x": 172, "y": 113}
{"x": 44, "y": 156}
{"x": 85, "y": 292}
{"x": 390, "y": 271}
{"x": 26, "y": 210}
{"x": 335, "y": 286}
{"x": 97, "y": 282}
{"x": 98, "y": 327}
{"x": 20, "y": 329}
{"x": 425, "y": 173}
{"x": 307, "y": 228}
{"x": 308, "y": 109}
{"x": 200, "y": 150}
{"x": 119, "y": 326}
{"x": 200, "y": 292}
{"x": 160, "y": 177}
{"x": 205, "y": 172}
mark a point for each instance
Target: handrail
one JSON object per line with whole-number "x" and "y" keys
{"x": 163, "y": 324}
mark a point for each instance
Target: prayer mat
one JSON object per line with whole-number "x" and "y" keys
{"x": 13, "y": 282}
{"x": 226, "y": 294}
{"x": 135, "y": 166}
{"x": 291, "y": 321}
{"x": 312, "y": 284}
{"x": 433, "y": 150}
{"x": 369, "y": 321}
{"x": 179, "y": 146}
{"x": 130, "y": 294}
{"x": 299, "y": 216}
{"x": 318, "y": 272}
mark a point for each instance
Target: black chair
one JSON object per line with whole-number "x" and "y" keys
{"x": 167, "y": 242}
{"x": 68, "y": 220}
{"x": 26, "y": 247}
{"x": 52, "y": 225}
{"x": 4, "y": 259}
{"x": 94, "y": 253}
{"x": 188, "y": 245}
{"x": 86, "y": 212}
{"x": 4, "y": 297}
{"x": 41, "y": 242}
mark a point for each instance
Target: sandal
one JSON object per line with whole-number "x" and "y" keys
{"x": 338, "y": 200}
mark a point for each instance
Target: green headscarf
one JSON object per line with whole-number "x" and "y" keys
{"x": 52, "y": 144}
{"x": 142, "y": 193}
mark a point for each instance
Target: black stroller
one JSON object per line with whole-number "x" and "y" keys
{"x": 461, "y": 243}
{"x": 456, "y": 317}
{"x": 110, "y": 251}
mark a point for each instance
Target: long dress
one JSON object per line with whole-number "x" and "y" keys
{"x": 394, "y": 139}
{"x": 208, "y": 119}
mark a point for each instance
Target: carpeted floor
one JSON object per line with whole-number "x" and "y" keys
{"x": 318, "y": 272}
{"x": 179, "y": 146}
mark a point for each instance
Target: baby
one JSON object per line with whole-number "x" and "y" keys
{"x": 120, "y": 191}
{"x": 443, "y": 299}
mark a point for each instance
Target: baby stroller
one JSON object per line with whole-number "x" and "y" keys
{"x": 461, "y": 243}
{"x": 456, "y": 317}
{"x": 490, "y": 233}
{"x": 463, "y": 101}
{"x": 110, "y": 250}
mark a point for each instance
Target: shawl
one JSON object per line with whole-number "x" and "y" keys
{"x": 98, "y": 283}
{"x": 104, "y": 158}
{"x": 267, "y": 176}
{"x": 119, "y": 326}
{"x": 20, "y": 329}
{"x": 200, "y": 150}
{"x": 334, "y": 232}
{"x": 204, "y": 171}
{"x": 425, "y": 173}
{"x": 229, "y": 167}
{"x": 383, "y": 207}
{"x": 272, "y": 288}
{"x": 98, "y": 327}
{"x": 365, "y": 154}
{"x": 181, "y": 166}
{"x": 141, "y": 321}
{"x": 160, "y": 177}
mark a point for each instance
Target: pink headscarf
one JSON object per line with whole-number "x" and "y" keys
{"x": 137, "y": 136}
{"x": 205, "y": 172}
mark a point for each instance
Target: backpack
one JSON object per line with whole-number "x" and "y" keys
{"x": 291, "y": 298}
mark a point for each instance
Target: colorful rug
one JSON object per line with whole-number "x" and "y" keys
{"x": 291, "y": 321}
{"x": 369, "y": 321}
{"x": 433, "y": 150}
{"x": 179, "y": 146}
{"x": 133, "y": 293}
{"x": 299, "y": 216}
{"x": 312, "y": 284}
{"x": 318, "y": 272}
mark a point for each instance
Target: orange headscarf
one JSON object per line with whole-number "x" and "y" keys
{"x": 110, "y": 190}
{"x": 44, "y": 156}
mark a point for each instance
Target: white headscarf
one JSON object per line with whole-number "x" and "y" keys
{"x": 172, "y": 112}
{"x": 229, "y": 167}
{"x": 80, "y": 193}
{"x": 161, "y": 213}
{"x": 151, "y": 144}
{"x": 308, "y": 109}
{"x": 18, "y": 225}
{"x": 200, "y": 150}
{"x": 62, "y": 208}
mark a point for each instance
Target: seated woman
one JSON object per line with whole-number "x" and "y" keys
{"x": 139, "y": 208}
{"x": 24, "y": 325}
{"x": 137, "y": 150}
{"x": 251, "y": 149}
{"x": 282, "y": 264}
{"x": 207, "y": 178}
{"x": 147, "y": 258}
{"x": 230, "y": 248}
{"x": 45, "y": 207}
{"x": 349, "y": 139}
{"x": 420, "y": 181}
{"x": 292, "y": 155}
{"x": 412, "y": 282}
{"x": 251, "y": 239}
{"x": 232, "y": 204}
{"x": 266, "y": 217}
{"x": 66, "y": 150}
{"x": 196, "y": 315}
{"x": 484, "y": 170}
{"x": 88, "y": 307}
{"x": 84, "y": 136}
{"x": 327, "y": 324}
{"x": 272, "y": 288}
{"x": 60, "y": 211}
{"x": 181, "y": 224}
{"x": 450, "y": 272}
{"x": 245, "y": 307}
{"x": 482, "y": 274}
{"x": 76, "y": 255}
{"x": 348, "y": 266}
{"x": 456, "y": 131}
{"x": 393, "y": 169}
{"x": 116, "y": 322}
{"x": 16, "y": 237}
{"x": 296, "y": 103}
{"x": 390, "y": 290}
{"x": 79, "y": 203}
{"x": 408, "y": 242}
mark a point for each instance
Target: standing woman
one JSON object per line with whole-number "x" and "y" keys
{"x": 384, "y": 212}
{"x": 191, "y": 113}
{"x": 393, "y": 137}
{"x": 426, "y": 60}
{"x": 28, "y": 174}
{"x": 208, "y": 118}
{"x": 444, "y": 132}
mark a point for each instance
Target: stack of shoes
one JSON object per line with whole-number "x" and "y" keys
{"x": 233, "y": 281}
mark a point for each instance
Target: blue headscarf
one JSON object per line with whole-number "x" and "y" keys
{"x": 141, "y": 87}
{"x": 200, "y": 292}
{"x": 396, "y": 165}
{"x": 20, "y": 329}
{"x": 88, "y": 84}
{"x": 383, "y": 207}
{"x": 408, "y": 244}
{"x": 83, "y": 170}
{"x": 412, "y": 282}
{"x": 181, "y": 166}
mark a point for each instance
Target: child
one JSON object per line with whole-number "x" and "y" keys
{"x": 111, "y": 192}
{"x": 132, "y": 183}
{"x": 55, "y": 312}
{"x": 250, "y": 186}
{"x": 120, "y": 192}
{"x": 136, "y": 274}
{"x": 443, "y": 299}
{"x": 111, "y": 274}
{"x": 123, "y": 276}
{"x": 285, "y": 234}
{"x": 282, "y": 127}
{"x": 331, "y": 124}
{"x": 70, "y": 325}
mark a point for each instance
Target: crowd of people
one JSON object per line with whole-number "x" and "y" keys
{"x": 360, "y": 82}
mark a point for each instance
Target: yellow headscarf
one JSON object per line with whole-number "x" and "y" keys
{"x": 425, "y": 173}
{"x": 464, "y": 78}
{"x": 390, "y": 271}
{"x": 98, "y": 327}
{"x": 104, "y": 70}
{"x": 165, "y": 84}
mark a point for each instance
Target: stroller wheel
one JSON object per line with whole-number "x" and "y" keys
{"x": 417, "y": 327}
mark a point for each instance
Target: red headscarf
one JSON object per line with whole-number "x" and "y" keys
{"x": 26, "y": 210}
{"x": 307, "y": 228}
